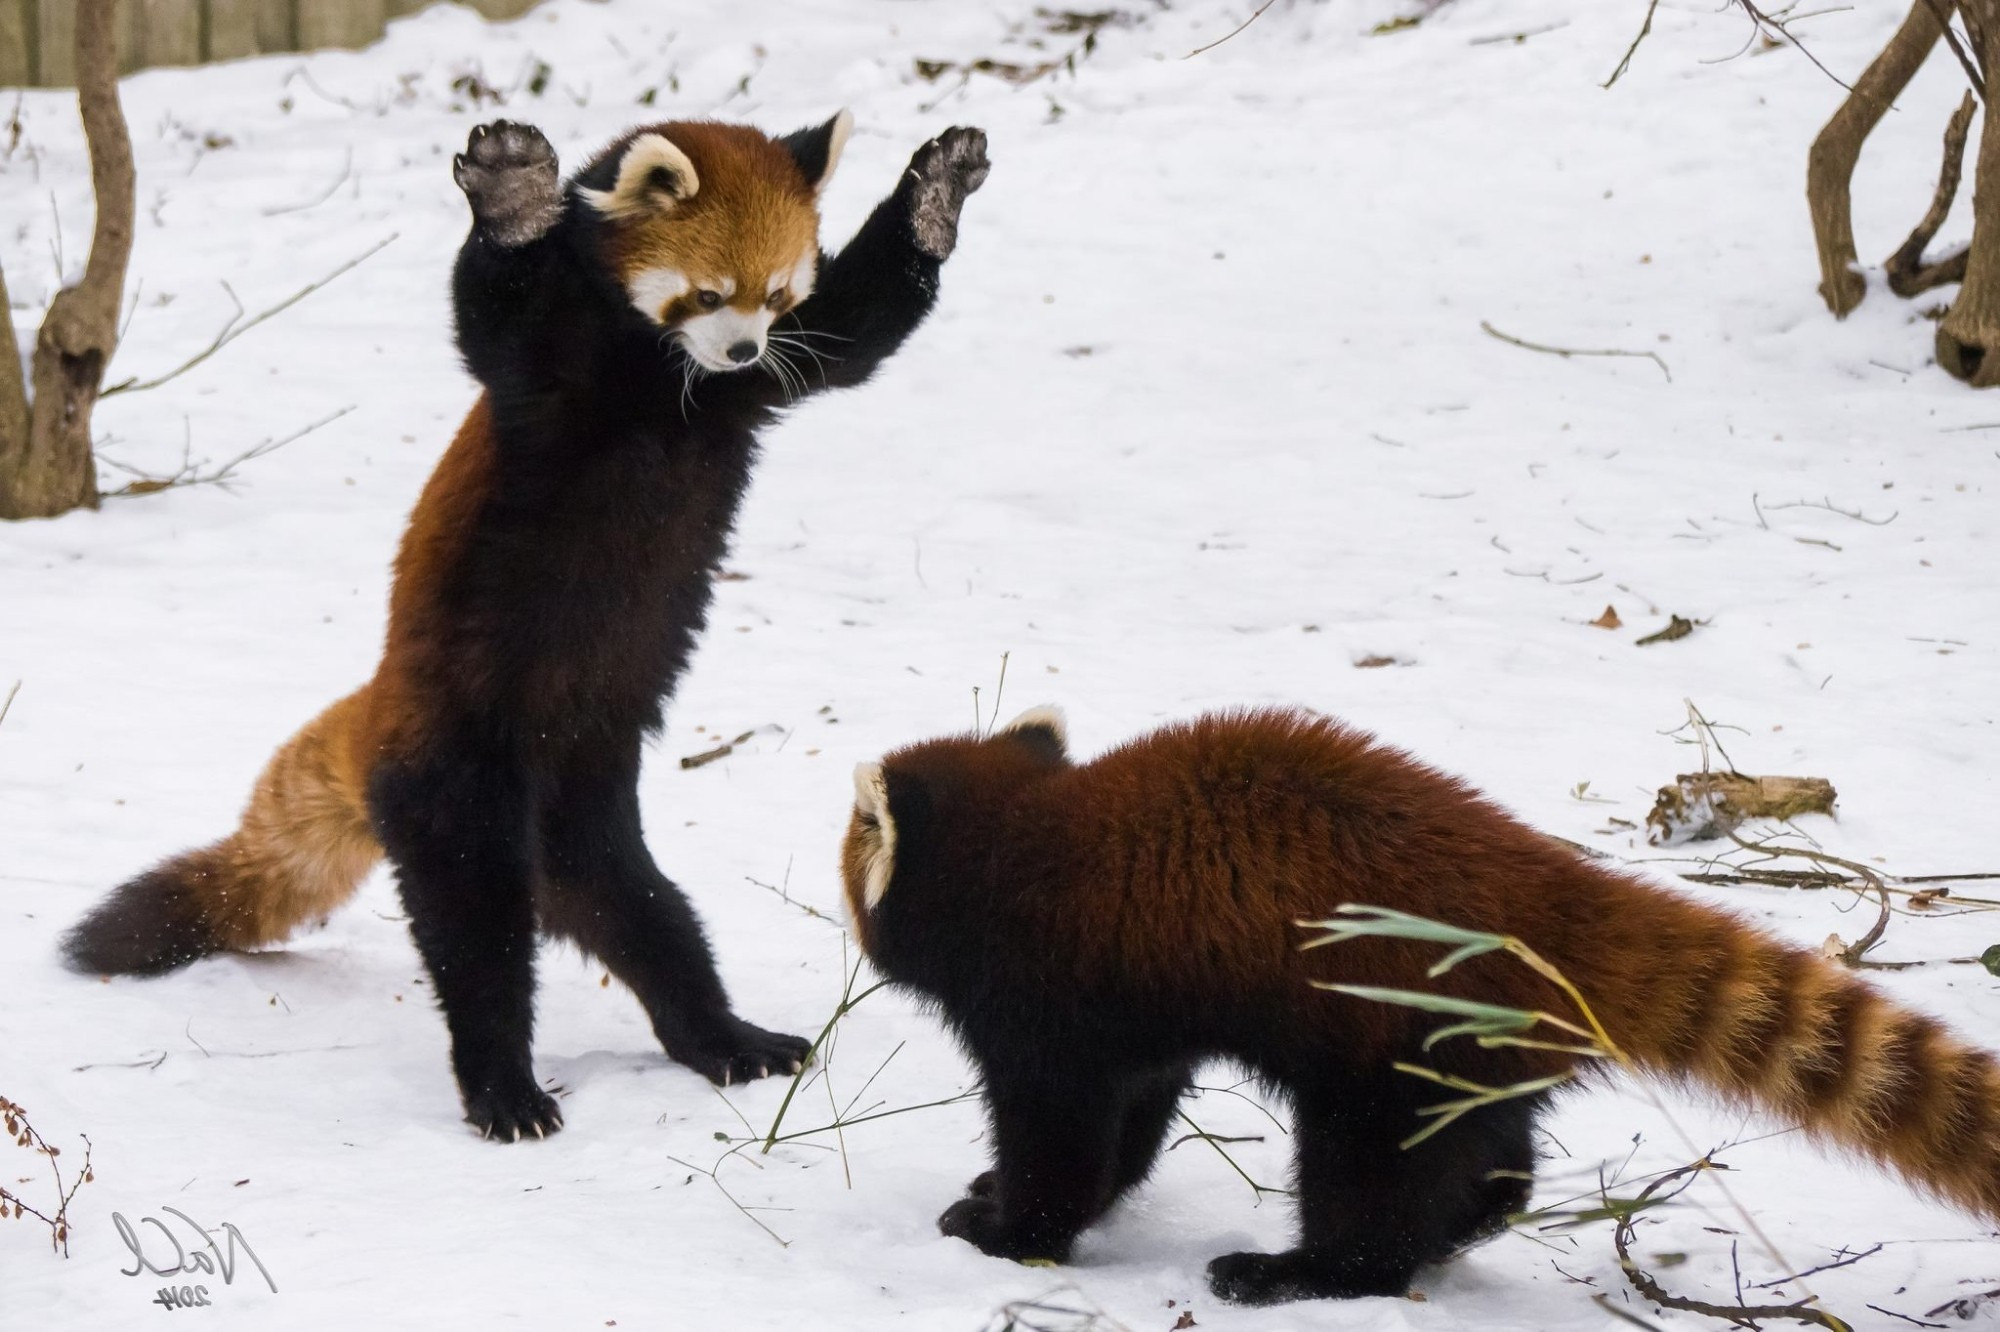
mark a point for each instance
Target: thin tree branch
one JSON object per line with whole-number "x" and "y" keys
{"x": 190, "y": 474}
{"x": 1232, "y": 32}
{"x": 1645, "y": 29}
{"x": 233, "y": 330}
{"x": 1973, "y": 73}
{"x": 1907, "y": 273}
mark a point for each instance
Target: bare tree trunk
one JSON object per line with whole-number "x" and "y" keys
{"x": 1830, "y": 167}
{"x": 55, "y": 471}
{"x": 1971, "y": 330}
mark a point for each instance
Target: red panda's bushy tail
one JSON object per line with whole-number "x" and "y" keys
{"x": 1694, "y": 994}
{"x": 303, "y": 847}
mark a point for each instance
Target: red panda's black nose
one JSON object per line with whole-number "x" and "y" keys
{"x": 743, "y": 352}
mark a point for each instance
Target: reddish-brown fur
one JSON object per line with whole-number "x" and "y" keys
{"x": 752, "y": 217}
{"x": 1168, "y": 877}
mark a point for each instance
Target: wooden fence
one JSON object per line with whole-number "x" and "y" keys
{"x": 38, "y": 37}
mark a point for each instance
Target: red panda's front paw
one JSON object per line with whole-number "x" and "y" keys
{"x": 509, "y": 1110}
{"x": 941, "y": 174}
{"x": 976, "y": 1220}
{"x": 981, "y": 1222}
{"x": 508, "y": 173}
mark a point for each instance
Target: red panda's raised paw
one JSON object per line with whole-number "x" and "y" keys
{"x": 941, "y": 174}
{"x": 509, "y": 174}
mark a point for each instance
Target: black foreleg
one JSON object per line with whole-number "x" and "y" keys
{"x": 602, "y": 890}
{"x": 1149, "y": 1107}
{"x": 457, "y": 826}
{"x": 868, "y": 298}
{"x": 1055, "y": 1137}
{"x": 1150, "y": 1111}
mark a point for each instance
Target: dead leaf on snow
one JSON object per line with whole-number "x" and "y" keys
{"x": 1677, "y": 627}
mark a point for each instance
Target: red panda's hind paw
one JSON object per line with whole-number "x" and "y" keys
{"x": 1277, "y": 1278}
{"x": 942, "y": 173}
{"x": 508, "y": 172}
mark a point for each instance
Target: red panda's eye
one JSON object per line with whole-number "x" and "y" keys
{"x": 708, "y": 300}
{"x": 777, "y": 300}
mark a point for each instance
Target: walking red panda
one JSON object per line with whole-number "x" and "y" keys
{"x": 1091, "y": 932}
{"x": 553, "y": 579}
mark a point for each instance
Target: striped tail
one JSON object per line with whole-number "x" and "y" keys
{"x": 1768, "y": 1024}
{"x": 303, "y": 847}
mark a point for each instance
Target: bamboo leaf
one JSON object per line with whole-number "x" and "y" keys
{"x": 1503, "y": 1018}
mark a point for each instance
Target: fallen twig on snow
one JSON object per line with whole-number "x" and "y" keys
{"x": 1650, "y": 1288}
{"x": 1567, "y": 352}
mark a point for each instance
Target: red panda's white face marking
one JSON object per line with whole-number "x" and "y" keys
{"x": 714, "y": 232}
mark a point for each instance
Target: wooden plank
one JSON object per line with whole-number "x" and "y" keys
{"x": 277, "y": 26}
{"x": 398, "y": 8}
{"x": 172, "y": 31}
{"x": 57, "y": 43}
{"x": 129, "y": 32}
{"x": 17, "y": 49}
{"x": 503, "y": 9}
{"x": 344, "y": 23}
{"x": 232, "y": 29}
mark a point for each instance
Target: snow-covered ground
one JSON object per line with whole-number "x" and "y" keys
{"x": 1205, "y": 416}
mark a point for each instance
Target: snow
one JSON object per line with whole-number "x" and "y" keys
{"x": 1205, "y": 416}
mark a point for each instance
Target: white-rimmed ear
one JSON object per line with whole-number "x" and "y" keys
{"x": 1048, "y": 717}
{"x": 817, "y": 150}
{"x": 878, "y": 834}
{"x": 653, "y": 174}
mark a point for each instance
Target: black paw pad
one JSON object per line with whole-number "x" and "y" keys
{"x": 942, "y": 173}
{"x": 508, "y": 173}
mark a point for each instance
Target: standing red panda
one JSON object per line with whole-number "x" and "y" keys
{"x": 628, "y": 331}
{"x": 1092, "y": 932}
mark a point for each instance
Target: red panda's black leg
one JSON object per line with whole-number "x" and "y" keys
{"x": 1054, "y": 1138}
{"x": 1150, "y": 1111}
{"x": 457, "y": 825}
{"x": 515, "y": 296}
{"x": 1371, "y": 1213}
{"x": 601, "y": 889}
{"x": 869, "y": 297}
{"x": 1150, "y": 1107}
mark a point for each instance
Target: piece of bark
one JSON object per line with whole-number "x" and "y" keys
{"x": 1701, "y": 806}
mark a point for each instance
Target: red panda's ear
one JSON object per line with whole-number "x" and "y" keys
{"x": 817, "y": 150}
{"x": 877, "y": 831}
{"x": 654, "y": 175}
{"x": 1043, "y": 731}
